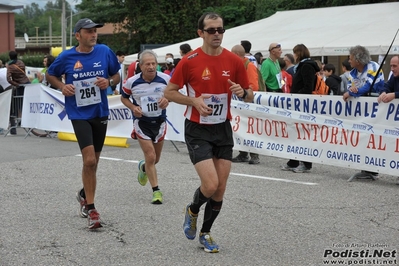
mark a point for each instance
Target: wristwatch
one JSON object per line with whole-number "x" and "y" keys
{"x": 111, "y": 82}
{"x": 245, "y": 94}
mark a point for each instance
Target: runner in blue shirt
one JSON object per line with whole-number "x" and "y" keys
{"x": 88, "y": 69}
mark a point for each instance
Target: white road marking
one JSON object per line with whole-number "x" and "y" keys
{"x": 113, "y": 159}
{"x": 276, "y": 179}
{"x": 236, "y": 174}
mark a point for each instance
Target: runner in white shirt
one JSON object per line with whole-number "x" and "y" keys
{"x": 149, "y": 110}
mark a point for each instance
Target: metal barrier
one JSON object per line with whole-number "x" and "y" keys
{"x": 16, "y": 111}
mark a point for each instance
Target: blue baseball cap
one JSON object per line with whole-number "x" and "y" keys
{"x": 86, "y": 23}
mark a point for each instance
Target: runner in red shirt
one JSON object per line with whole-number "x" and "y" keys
{"x": 211, "y": 74}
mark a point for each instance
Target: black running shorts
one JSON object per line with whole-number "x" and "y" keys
{"x": 91, "y": 132}
{"x": 208, "y": 141}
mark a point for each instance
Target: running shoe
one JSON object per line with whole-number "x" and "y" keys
{"x": 142, "y": 176}
{"x": 254, "y": 159}
{"x": 287, "y": 168}
{"x": 190, "y": 224}
{"x": 240, "y": 158}
{"x": 372, "y": 175}
{"x": 94, "y": 219}
{"x": 301, "y": 169}
{"x": 209, "y": 244}
{"x": 82, "y": 205}
{"x": 157, "y": 197}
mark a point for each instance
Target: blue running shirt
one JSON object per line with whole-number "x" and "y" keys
{"x": 81, "y": 70}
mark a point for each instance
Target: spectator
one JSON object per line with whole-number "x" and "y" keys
{"x": 332, "y": 81}
{"x": 169, "y": 66}
{"x": 47, "y": 61}
{"x": 303, "y": 83}
{"x": 185, "y": 49}
{"x": 4, "y": 85}
{"x": 346, "y": 68}
{"x": 42, "y": 74}
{"x": 134, "y": 68}
{"x": 247, "y": 47}
{"x": 121, "y": 58}
{"x": 271, "y": 72}
{"x": 175, "y": 62}
{"x": 3, "y": 79}
{"x": 259, "y": 58}
{"x": 252, "y": 74}
{"x": 289, "y": 63}
{"x": 390, "y": 90}
{"x": 363, "y": 72}
{"x": 16, "y": 77}
{"x": 286, "y": 77}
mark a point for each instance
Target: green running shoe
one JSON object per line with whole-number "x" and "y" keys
{"x": 142, "y": 176}
{"x": 157, "y": 197}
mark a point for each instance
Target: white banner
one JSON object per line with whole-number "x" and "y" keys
{"x": 5, "y": 104}
{"x": 359, "y": 134}
{"x": 44, "y": 108}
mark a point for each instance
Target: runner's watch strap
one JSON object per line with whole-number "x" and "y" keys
{"x": 111, "y": 82}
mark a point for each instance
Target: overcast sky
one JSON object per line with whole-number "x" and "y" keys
{"x": 41, "y": 3}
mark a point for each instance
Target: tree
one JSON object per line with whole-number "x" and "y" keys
{"x": 160, "y": 21}
{"x": 33, "y": 16}
{"x": 164, "y": 22}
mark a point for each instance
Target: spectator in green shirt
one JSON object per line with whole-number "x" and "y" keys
{"x": 270, "y": 69}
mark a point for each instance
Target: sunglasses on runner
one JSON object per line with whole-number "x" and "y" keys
{"x": 214, "y": 30}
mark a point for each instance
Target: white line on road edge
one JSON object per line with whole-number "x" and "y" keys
{"x": 276, "y": 179}
{"x": 237, "y": 174}
{"x": 113, "y": 159}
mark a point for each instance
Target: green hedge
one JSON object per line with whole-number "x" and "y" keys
{"x": 32, "y": 60}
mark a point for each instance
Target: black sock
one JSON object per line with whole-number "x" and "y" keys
{"x": 212, "y": 210}
{"x": 155, "y": 189}
{"x": 143, "y": 167}
{"x": 82, "y": 193}
{"x": 90, "y": 207}
{"x": 198, "y": 200}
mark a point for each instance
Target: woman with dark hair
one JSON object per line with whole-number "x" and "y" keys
{"x": 259, "y": 58}
{"x": 303, "y": 83}
{"x": 47, "y": 61}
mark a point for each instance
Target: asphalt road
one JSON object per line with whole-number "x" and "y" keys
{"x": 269, "y": 216}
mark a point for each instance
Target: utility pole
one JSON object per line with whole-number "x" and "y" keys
{"x": 63, "y": 31}
{"x": 70, "y": 36}
{"x": 50, "y": 31}
{"x": 37, "y": 35}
